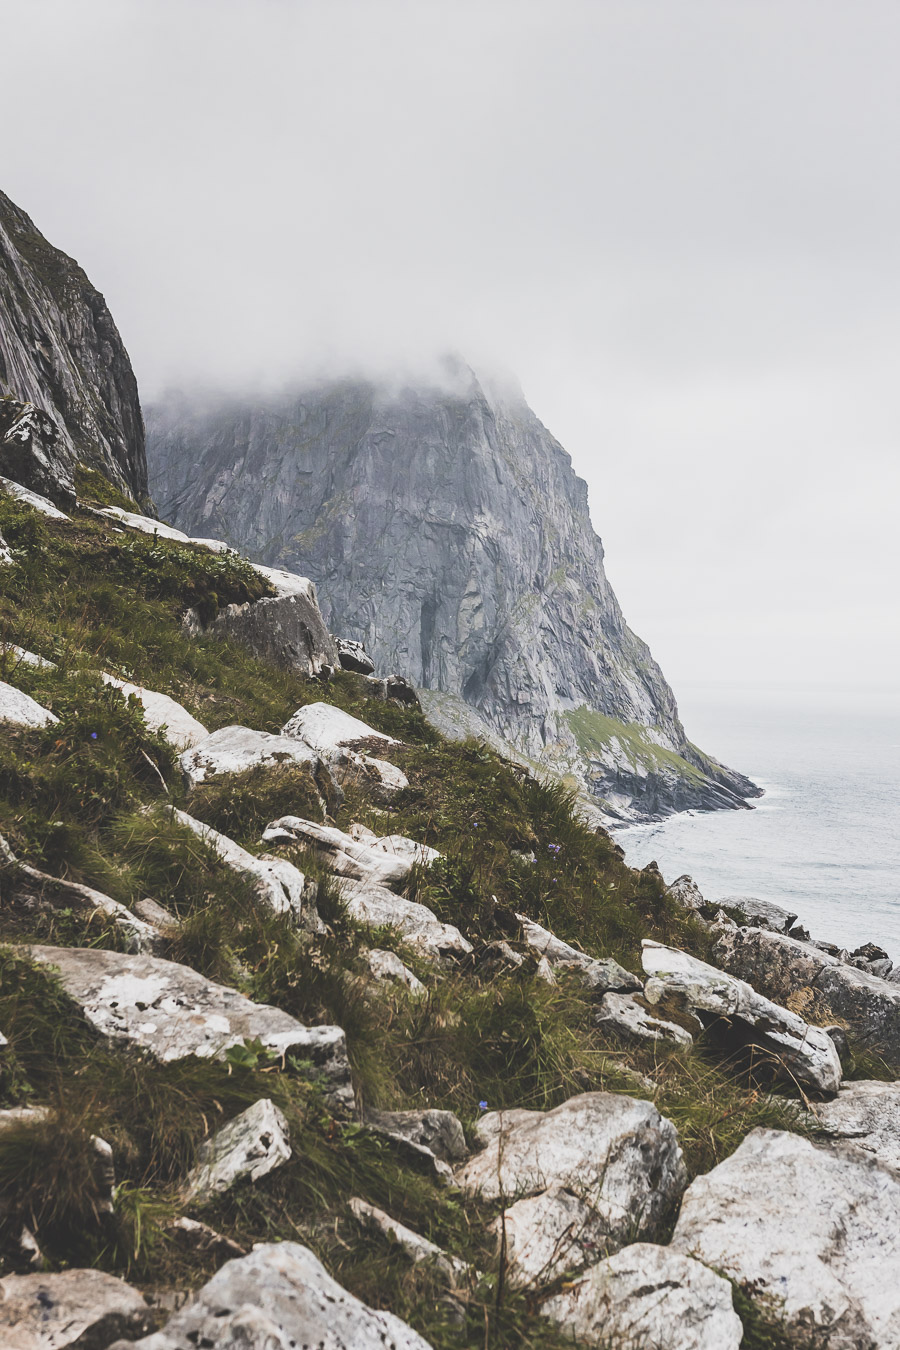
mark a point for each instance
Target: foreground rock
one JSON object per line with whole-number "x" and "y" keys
{"x": 817, "y": 985}
{"x": 247, "y": 1148}
{"x": 600, "y": 1169}
{"x": 162, "y": 713}
{"x": 279, "y": 1296}
{"x": 35, "y": 500}
{"x": 280, "y": 885}
{"x": 440, "y": 1132}
{"x": 21, "y": 710}
{"x": 74, "y": 1310}
{"x": 286, "y": 629}
{"x": 377, "y": 907}
{"x": 235, "y": 749}
{"x": 172, "y": 1012}
{"x": 686, "y": 893}
{"x": 413, "y": 1245}
{"x": 601, "y": 974}
{"x": 813, "y": 1229}
{"x": 344, "y": 743}
{"x": 795, "y": 1049}
{"x": 866, "y": 1115}
{"x": 649, "y": 1297}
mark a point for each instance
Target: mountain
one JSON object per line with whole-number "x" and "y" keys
{"x": 446, "y": 528}
{"x": 69, "y": 395}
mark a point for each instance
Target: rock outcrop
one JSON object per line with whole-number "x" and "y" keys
{"x": 447, "y": 530}
{"x": 71, "y": 393}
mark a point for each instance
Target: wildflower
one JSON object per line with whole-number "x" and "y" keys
{"x": 93, "y": 735}
{"x": 554, "y": 848}
{"x": 482, "y": 1106}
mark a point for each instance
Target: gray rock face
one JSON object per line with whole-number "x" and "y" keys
{"x": 377, "y": 907}
{"x": 278, "y": 1297}
{"x": 448, "y": 532}
{"x": 61, "y": 352}
{"x": 286, "y": 630}
{"x": 172, "y": 1012}
{"x": 817, "y": 985}
{"x": 759, "y": 913}
{"x": 795, "y": 1049}
{"x": 76, "y": 1308}
{"x": 649, "y": 1297}
{"x": 438, "y": 1131}
{"x": 247, "y": 1148}
{"x": 685, "y": 892}
{"x": 866, "y": 1115}
{"x": 815, "y": 1229}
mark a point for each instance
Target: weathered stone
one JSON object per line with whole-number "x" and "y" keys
{"x": 247, "y": 1148}
{"x": 158, "y": 917}
{"x": 399, "y": 846}
{"x": 21, "y": 710}
{"x": 608, "y": 1168}
{"x": 135, "y": 520}
{"x": 631, "y": 1020}
{"x": 387, "y": 967}
{"x": 686, "y": 893}
{"x": 759, "y": 913}
{"x": 438, "y": 1131}
{"x": 234, "y": 749}
{"x": 277, "y": 1297}
{"x": 19, "y": 655}
{"x": 172, "y": 1012}
{"x": 393, "y": 687}
{"x": 74, "y": 1310}
{"x": 353, "y": 656}
{"x": 866, "y": 1115}
{"x": 343, "y": 743}
{"x": 649, "y": 1297}
{"x": 162, "y": 713}
{"x": 35, "y": 500}
{"x": 550, "y": 1233}
{"x": 814, "y": 1229}
{"x": 413, "y": 1245}
{"x": 287, "y": 630}
{"x": 339, "y": 851}
{"x": 280, "y": 885}
{"x": 377, "y": 907}
{"x": 739, "y": 1013}
{"x": 601, "y": 974}
{"x": 816, "y": 985}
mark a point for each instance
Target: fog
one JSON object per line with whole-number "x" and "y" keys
{"x": 678, "y": 223}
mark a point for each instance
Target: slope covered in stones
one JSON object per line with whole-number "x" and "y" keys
{"x": 446, "y": 528}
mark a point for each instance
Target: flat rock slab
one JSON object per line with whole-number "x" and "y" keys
{"x": 413, "y": 1245}
{"x": 234, "y": 749}
{"x": 816, "y": 985}
{"x": 759, "y": 913}
{"x": 649, "y": 1297}
{"x": 20, "y": 656}
{"x": 341, "y": 853}
{"x": 600, "y": 973}
{"x": 624, "y": 1015}
{"x": 280, "y": 885}
{"x": 162, "y": 713}
{"x": 795, "y": 1049}
{"x": 815, "y": 1229}
{"x": 249, "y": 1147}
{"x": 172, "y": 1012}
{"x": 21, "y": 710}
{"x": 279, "y": 1296}
{"x": 76, "y": 1308}
{"x": 614, "y": 1154}
{"x": 377, "y": 907}
{"x": 866, "y": 1115}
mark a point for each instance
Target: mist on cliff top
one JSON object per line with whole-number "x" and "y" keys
{"x": 679, "y": 224}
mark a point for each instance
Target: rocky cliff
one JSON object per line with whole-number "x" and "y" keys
{"x": 68, "y": 395}
{"x": 446, "y": 528}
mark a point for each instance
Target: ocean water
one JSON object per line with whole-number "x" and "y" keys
{"x": 825, "y": 839}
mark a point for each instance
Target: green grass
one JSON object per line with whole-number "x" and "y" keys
{"x": 596, "y": 734}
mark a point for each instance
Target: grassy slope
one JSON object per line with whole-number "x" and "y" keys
{"x": 82, "y": 800}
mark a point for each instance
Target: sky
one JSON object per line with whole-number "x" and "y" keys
{"x": 677, "y": 222}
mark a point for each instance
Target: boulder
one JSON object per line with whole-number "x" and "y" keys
{"x": 602, "y": 974}
{"x": 162, "y": 713}
{"x": 759, "y": 913}
{"x": 377, "y": 907}
{"x": 77, "y": 1309}
{"x": 438, "y": 1131}
{"x": 340, "y": 852}
{"x": 742, "y": 1016}
{"x": 810, "y": 1230}
{"x": 234, "y": 749}
{"x": 280, "y": 885}
{"x": 353, "y": 656}
{"x": 866, "y": 1115}
{"x": 400, "y": 846}
{"x": 173, "y": 1012}
{"x": 33, "y": 499}
{"x": 393, "y": 687}
{"x": 148, "y": 525}
{"x": 344, "y": 743}
{"x": 413, "y": 1245}
{"x": 278, "y": 1296}
{"x": 631, "y": 1020}
{"x": 686, "y": 893}
{"x": 288, "y": 629}
{"x": 247, "y": 1148}
{"x": 650, "y": 1297}
{"x": 21, "y": 710}
{"x": 608, "y": 1169}
{"x": 388, "y": 968}
{"x": 816, "y": 985}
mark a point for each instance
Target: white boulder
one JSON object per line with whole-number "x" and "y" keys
{"x": 601, "y": 973}
{"x": 340, "y": 852}
{"x": 32, "y": 499}
{"x": 162, "y": 713}
{"x": 388, "y": 968}
{"x": 632, "y": 1021}
{"x": 247, "y": 1148}
{"x": 377, "y": 907}
{"x": 20, "y": 656}
{"x": 21, "y": 710}
{"x": 329, "y": 730}
{"x": 412, "y": 1244}
{"x": 234, "y": 749}
{"x": 68, "y": 1310}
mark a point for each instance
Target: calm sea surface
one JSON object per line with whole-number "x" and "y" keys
{"x": 825, "y": 839}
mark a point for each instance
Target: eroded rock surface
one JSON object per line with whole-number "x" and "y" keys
{"x": 71, "y": 1310}
{"x": 759, "y": 913}
{"x": 632, "y": 1021}
{"x": 340, "y": 852}
{"x": 388, "y": 968}
{"x": 601, "y": 974}
{"x": 866, "y": 1115}
{"x": 815, "y": 1229}
{"x": 278, "y": 1297}
{"x": 377, "y": 907}
{"x": 234, "y": 749}
{"x": 250, "y": 1146}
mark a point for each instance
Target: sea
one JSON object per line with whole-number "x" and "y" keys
{"x": 824, "y": 840}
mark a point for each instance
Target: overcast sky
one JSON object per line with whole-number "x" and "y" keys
{"x": 677, "y": 222}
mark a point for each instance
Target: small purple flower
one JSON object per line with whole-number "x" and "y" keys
{"x": 482, "y": 1106}
{"x": 93, "y": 735}
{"x": 554, "y": 848}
